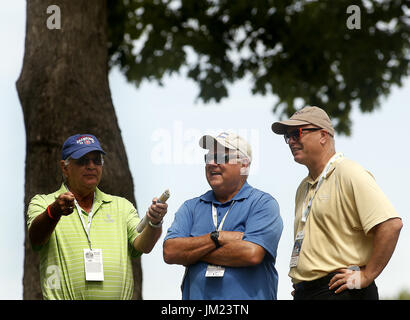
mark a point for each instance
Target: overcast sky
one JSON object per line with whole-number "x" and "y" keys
{"x": 161, "y": 127}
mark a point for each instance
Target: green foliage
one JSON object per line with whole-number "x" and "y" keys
{"x": 404, "y": 294}
{"x": 299, "y": 50}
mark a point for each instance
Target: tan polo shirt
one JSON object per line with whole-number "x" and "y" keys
{"x": 346, "y": 207}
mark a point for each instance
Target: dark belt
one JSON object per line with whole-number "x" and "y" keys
{"x": 315, "y": 284}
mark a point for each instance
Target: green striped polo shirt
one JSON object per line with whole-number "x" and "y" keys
{"x": 113, "y": 229}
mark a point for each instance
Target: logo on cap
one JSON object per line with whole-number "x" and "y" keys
{"x": 300, "y": 111}
{"x": 223, "y": 135}
{"x": 85, "y": 140}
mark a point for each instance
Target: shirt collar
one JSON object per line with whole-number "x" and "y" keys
{"x": 243, "y": 193}
{"x": 99, "y": 195}
{"x": 332, "y": 168}
{"x": 313, "y": 182}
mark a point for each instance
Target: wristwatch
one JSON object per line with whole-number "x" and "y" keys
{"x": 214, "y": 237}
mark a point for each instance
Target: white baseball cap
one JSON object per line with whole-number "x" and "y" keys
{"x": 228, "y": 140}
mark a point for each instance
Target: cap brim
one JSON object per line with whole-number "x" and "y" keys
{"x": 83, "y": 151}
{"x": 281, "y": 127}
{"x": 209, "y": 142}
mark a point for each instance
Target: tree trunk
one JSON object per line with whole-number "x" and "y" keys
{"x": 63, "y": 89}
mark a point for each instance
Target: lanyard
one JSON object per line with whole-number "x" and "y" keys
{"x": 323, "y": 175}
{"x": 90, "y": 219}
{"x": 215, "y": 218}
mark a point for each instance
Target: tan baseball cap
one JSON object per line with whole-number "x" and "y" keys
{"x": 228, "y": 140}
{"x": 306, "y": 115}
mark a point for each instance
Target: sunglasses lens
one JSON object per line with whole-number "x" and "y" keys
{"x": 293, "y": 134}
{"x": 217, "y": 158}
{"x": 97, "y": 161}
{"x": 83, "y": 161}
{"x": 210, "y": 158}
{"x": 207, "y": 158}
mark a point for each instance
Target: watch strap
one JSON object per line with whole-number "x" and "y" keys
{"x": 214, "y": 236}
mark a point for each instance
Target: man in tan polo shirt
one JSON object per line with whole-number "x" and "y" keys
{"x": 345, "y": 227}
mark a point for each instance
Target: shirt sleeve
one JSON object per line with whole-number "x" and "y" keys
{"x": 133, "y": 220}
{"x": 371, "y": 203}
{"x": 264, "y": 225}
{"x": 182, "y": 224}
{"x": 36, "y": 207}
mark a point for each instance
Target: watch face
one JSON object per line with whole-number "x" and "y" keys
{"x": 214, "y": 237}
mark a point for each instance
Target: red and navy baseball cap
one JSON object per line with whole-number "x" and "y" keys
{"x": 80, "y": 144}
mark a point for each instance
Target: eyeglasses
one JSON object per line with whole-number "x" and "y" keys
{"x": 219, "y": 158}
{"x": 296, "y": 134}
{"x": 83, "y": 161}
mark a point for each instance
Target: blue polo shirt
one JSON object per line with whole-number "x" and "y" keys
{"x": 256, "y": 214}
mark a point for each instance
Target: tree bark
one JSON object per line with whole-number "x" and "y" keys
{"x": 63, "y": 89}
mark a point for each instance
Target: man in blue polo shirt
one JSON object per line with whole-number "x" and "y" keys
{"x": 228, "y": 237}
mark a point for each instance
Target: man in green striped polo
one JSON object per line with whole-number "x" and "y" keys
{"x": 85, "y": 237}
